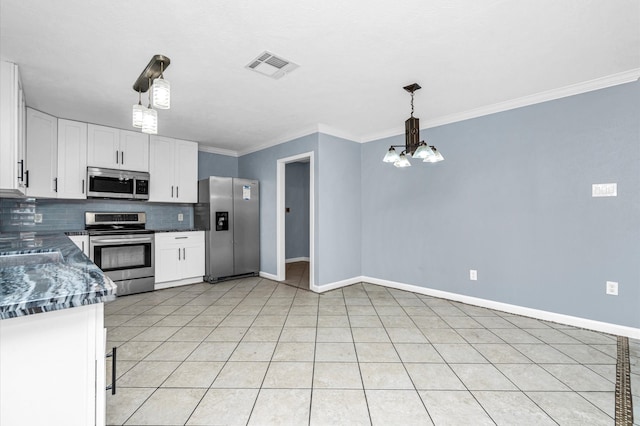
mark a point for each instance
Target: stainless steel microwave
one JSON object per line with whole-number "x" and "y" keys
{"x": 113, "y": 183}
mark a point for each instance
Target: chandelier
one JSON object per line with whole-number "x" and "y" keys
{"x": 413, "y": 146}
{"x": 151, "y": 79}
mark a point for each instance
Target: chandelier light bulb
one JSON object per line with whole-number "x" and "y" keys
{"x": 161, "y": 93}
{"x": 150, "y": 121}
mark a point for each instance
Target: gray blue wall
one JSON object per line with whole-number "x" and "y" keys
{"x": 210, "y": 164}
{"x": 297, "y": 219}
{"x": 513, "y": 200}
{"x": 262, "y": 165}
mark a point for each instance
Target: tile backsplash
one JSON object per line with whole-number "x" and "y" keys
{"x": 20, "y": 214}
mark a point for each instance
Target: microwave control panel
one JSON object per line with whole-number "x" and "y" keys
{"x": 142, "y": 186}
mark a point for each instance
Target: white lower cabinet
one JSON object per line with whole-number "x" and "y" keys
{"x": 82, "y": 241}
{"x": 179, "y": 258}
{"x": 52, "y": 368}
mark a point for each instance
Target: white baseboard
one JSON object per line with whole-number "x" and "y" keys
{"x": 604, "y": 327}
{"x": 297, "y": 259}
{"x": 269, "y": 276}
{"x": 169, "y": 284}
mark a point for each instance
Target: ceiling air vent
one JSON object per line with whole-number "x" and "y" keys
{"x": 271, "y": 65}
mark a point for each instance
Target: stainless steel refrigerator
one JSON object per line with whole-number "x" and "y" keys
{"x": 228, "y": 210}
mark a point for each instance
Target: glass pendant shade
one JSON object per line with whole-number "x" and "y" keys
{"x": 391, "y": 156}
{"x": 161, "y": 93}
{"x": 402, "y": 161}
{"x": 150, "y": 121}
{"x": 423, "y": 151}
{"x": 436, "y": 157}
{"x": 138, "y": 110}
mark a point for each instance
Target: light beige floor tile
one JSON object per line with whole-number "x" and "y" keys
{"x": 515, "y": 335}
{"x": 605, "y": 401}
{"x": 337, "y": 375}
{"x": 339, "y": 407}
{"x": 478, "y": 335}
{"x": 115, "y": 320}
{"x": 238, "y": 321}
{"x": 294, "y": 351}
{"x": 212, "y": 351}
{"x": 262, "y": 334}
{"x": 281, "y": 407}
{"x": 531, "y": 377}
{"x": 155, "y": 334}
{"x": 334, "y": 334}
{"x": 543, "y": 354}
{"x": 442, "y": 335}
{"x": 501, "y": 353}
{"x": 335, "y": 352}
{"x": 298, "y": 334}
{"x": 372, "y": 334}
{"x": 301, "y": 321}
{"x": 385, "y": 376}
{"x": 264, "y": 320}
{"x": 365, "y": 321}
{"x": 191, "y": 334}
{"x": 585, "y": 354}
{"x": 172, "y": 351}
{"x": 175, "y": 320}
{"x": 376, "y": 352}
{"x": 147, "y": 374}
{"x": 459, "y": 353}
{"x": 550, "y": 335}
{"x": 236, "y": 375}
{"x": 193, "y": 375}
{"x": 463, "y": 322}
{"x": 167, "y": 407}
{"x": 482, "y": 377}
{"x": 580, "y": 378}
{"x": 224, "y": 407}
{"x": 434, "y": 377}
{"x": 143, "y": 320}
{"x": 399, "y": 407}
{"x": 124, "y": 403}
{"x": 454, "y": 408}
{"x": 227, "y": 334}
{"x": 417, "y": 352}
{"x": 289, "y": 375}
{"x": 333, "y": 321}
{"x": 402, "y": 321}
{"x": 406, "y": 335}
{"x": 136, "y": 351}
{"x": 512, "y": 408}
{"x": 253, "y": 351}
{"x": 571, "y": 409}
{"x": 124, "y": 333}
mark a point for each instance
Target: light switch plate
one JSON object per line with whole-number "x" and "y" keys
{"x": 180, "y": 217}
{"x": 612, "y": 288}
{"x": 37, "y": 218}
{"x": 604, "y": 190}
{"x": 473, "y": 275}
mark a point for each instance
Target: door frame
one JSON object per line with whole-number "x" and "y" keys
{"x": 280, "y": 215}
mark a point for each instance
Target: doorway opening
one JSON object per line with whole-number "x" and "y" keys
{"x": 295, "y": 220}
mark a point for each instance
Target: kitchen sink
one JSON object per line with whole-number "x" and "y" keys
{"x": 25, "y": 259}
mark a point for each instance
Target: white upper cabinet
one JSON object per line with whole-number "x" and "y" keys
{"x": 117, "y": 149}
{"x": 72, "y": 159}
{"x": 173, "y": 169}
{"x": 12, "y": 131}
{"x": 41, "y": 170}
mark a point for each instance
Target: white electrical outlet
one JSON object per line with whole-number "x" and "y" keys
{"x": 604, "y": 190}
{"x": 473, "y": 275}
{"x": 612, "y": 288}
{"x": 180, "y": 217}
{"x": 37, "y": 218}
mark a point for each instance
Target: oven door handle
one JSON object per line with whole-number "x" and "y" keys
{"x": 120, "y": 241}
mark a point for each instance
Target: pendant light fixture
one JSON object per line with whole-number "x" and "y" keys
{"x": 152, "y": 79}
{"x": 413, "y": 146}
{"x": 138, "y": 110}
{"x": 150, "y": 118}
{"x": 161, "y": 91}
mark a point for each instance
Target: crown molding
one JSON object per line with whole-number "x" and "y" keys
{"x": 288, "y": 137}
{"x": 536, "y": 98}
{"x": 214, "y": 150}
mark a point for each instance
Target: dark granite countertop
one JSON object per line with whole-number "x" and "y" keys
{"x": 44, "y": 272}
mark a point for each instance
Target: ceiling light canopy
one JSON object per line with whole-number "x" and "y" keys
{"x": 152, "y": 79}
{"x": 413, "y": 146}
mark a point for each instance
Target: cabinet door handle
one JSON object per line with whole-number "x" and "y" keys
{"x": 83, "y": 186}
{"x": 171, "y": 191}
{"x": 112, "y": 355}
{"x": 180, "y": 238}
{"x": 184, "y": 254}
{"x": 177, "y": 193}
{"x": 122, "y": 157}
{"x": 26, "y": 175}
{"x": 21, "y": 176}
{"x": 179, "y": 255}
{"x": 82, "y": 246}
{"x": 116, "y": 157}
{"x": 55, "y": 181}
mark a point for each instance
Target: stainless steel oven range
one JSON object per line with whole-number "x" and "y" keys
{"x": 122, "y": 247}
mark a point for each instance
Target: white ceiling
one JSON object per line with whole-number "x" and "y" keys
{"x": 79, "y": 60}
